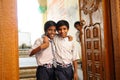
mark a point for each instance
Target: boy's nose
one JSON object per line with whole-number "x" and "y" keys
{"x": 62, "y": 31}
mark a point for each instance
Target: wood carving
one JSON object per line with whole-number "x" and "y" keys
{"x": 93, "y": 52}
{"x": 90, "y": 6}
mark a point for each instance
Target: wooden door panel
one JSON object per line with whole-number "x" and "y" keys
{"x": 92, "y": 41}
{"x": 97, "y": 49}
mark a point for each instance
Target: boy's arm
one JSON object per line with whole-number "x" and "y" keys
{"x": 80, "y": 36}
{"x": 44, "y": 45}
{"x": 45, "y": 42}
{"x": 70, "y": 38}
{"x": 75, "y": 65}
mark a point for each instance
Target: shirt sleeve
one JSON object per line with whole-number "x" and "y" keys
{"x": 37, "y": 43}
{"x": 77, "y": 36}
{"x": 76, "y": 51}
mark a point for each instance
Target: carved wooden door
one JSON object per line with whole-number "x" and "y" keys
{"x": 97, "y": 40}
{"x": 91, "y": 11}
{"x": 93, "y": 52}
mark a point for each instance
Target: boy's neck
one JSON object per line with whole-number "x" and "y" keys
{"x": 62, "y": 37}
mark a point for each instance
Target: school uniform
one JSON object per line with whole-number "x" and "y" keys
{"x": 44, "y": 58}
{"x": 77, "y": 36}
{"x": 66, "y": 53}
{"x": 78, "y": 40}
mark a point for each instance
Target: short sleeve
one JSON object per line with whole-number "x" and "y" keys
{"x": 76, "y": 51}
{"x": 37, "y": 43}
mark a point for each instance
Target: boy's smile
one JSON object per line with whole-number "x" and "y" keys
{"x": 51, "y": 31}
{"x": 63, "y": 30}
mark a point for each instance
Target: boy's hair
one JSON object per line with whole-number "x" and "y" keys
{"x": 62, "y": 23}
{"x": 48, "y": 24}
{"x": 76, "y": 23}
{"x": 81, "y": 23}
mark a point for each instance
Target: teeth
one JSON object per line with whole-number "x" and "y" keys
{"x": 52, "y": 35}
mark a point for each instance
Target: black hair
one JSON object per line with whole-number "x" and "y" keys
{"x": 76, "y": 23}
{"x": 48, "y": 24}
{"x": 62, "y": 23}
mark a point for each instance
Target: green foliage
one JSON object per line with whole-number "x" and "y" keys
{"x": 42, "y": 9}
{"x": 24, "y": 46}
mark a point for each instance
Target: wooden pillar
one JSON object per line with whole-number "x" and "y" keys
{"x": 115, "y": 18}
{"x": 9, "y": 69}
{"x": 108, "y": 41}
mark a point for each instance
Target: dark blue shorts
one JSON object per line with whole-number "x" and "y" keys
{"x": 44, "y": 73}
{"x": 64, "y": 73}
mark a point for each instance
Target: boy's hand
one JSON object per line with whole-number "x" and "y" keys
{"x": 45, "y": 39}
{"x": 70, "y": 38}
{"x": 75, "y": 76}
{"x": 45, "y": 42}
{"x": 44, "y": 45}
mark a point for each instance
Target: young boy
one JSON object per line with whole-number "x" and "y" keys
{"x": 43, "y": 53}
{"x": 44, "y": 50}
{"x": 78, "y": 25}
{"x": 66, "y": 53}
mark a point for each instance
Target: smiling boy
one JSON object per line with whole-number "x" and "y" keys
{"x": 66, "y": 53}
{"x": 43, "y": 53}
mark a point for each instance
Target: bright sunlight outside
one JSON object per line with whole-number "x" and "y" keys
{"x": 29, "y": 18}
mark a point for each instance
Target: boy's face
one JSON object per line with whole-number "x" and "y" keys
{"x": 62, "y": 31}
{"x": 51, "y": 31}
{"x": 78, "y": 27}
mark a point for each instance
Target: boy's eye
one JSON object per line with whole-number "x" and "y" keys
{"x": 65, "y": 28}
{"x": 52, "y": 30}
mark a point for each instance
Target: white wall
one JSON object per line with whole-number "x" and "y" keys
{"x": 64, "y": 9}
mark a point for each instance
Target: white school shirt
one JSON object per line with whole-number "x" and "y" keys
{"x": 44, "y": 56}
{"x": 78, "y": 40}
{"x": 66, "y": 51}
{"x": 77, "y": 36}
